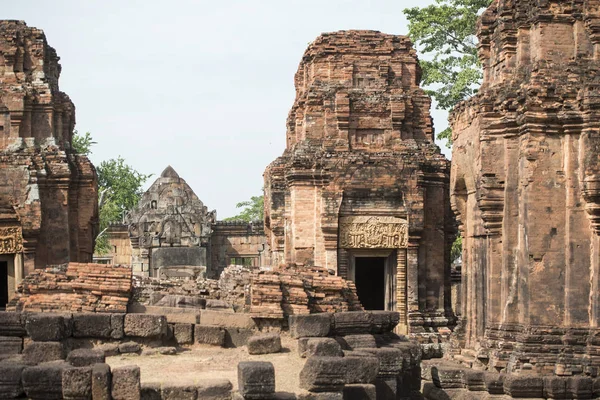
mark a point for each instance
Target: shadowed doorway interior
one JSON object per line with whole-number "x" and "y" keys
{"x": 3, "y": 284}
{"x": 370, "y": 282}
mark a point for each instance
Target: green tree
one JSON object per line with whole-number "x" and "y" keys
{"x": 253, "y": 210}
{"x": 120, "y": 189}
{"x": 82, "y": 144}
{"x": 445, "y": 33}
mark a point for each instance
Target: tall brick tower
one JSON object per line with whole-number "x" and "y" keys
{"x": 361, "y": 188}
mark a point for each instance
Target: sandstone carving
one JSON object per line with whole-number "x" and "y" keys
{"x": 11, "y": 240}
{"x": 373, "y": 232}
{"x": 525, "y": 187}
{"x": 361, "y": 189}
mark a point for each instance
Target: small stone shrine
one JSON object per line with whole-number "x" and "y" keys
{"x": 170, "y": 229}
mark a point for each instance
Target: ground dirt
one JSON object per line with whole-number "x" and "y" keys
{"x": 203, "y": 362}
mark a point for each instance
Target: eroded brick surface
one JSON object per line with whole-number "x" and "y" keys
{"x": 48, "y": 194}
{"x": 361, "y": 171}
{"x": 525, "y": 187}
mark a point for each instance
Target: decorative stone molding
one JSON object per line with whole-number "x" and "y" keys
{"x": 11, "y": 240}
{"x": 372, "y": 232}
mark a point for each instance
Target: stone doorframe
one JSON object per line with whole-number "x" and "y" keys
{"x": 11, "y": 252}
{"x": 380, "y": 236}
{"x": 390, "y": 282}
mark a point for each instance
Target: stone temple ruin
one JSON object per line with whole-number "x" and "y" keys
{"x": 361, "y": 188}
{"x": 171, "y": 233}
{"x": 48, "y": 194}
{"x": 349, "y": 293}
{"x": 525, "y": 179}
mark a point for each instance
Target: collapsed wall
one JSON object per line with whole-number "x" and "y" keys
{"x": 75, "y": 287}
{"x": 525, "y": 187}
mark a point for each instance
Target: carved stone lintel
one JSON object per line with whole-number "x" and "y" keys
{"x": 373, "y": 232}
{"x": 11, "y": 240}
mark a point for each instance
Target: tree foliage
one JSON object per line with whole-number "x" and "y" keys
{"x": 445, "y": 33}
{"x": 253, "y": 210}
{"x": 82, "y": 144}
{"x": 120, "y": 189}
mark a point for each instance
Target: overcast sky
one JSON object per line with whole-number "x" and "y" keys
{"x": 204, "y": 86}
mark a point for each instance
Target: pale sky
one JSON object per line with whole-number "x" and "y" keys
{"x": 203, "y": 86}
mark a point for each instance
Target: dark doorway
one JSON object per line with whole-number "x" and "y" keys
{"x": 3, "y": 284}
{"x": 369, "y": 278}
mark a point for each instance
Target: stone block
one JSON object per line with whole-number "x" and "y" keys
{"x": 326, "y": 347}
{"x": 447, "y": 377}
{"x": 40, "y": 352}
{"x": 474, "y": 380}
{"x": 125, "y": 383}
{"x": 596, "y": 387}
{"x": 46, "y": 327}
{"x": 164, "y": 350}
{"x": 92, "y": 325}
{"x": 214, "y": 389}
{"x": 352, "y": 322}
{"x": 555, "y": 387}
{"x": 117, "y": 326}
{"x": 129, "y": 347}
{"x": 323, "y": 374}
{"x": 109, "y": 349}
{"x": 172, "y": 391}
{"x": 10, "y": 345}
{"x": 227, "y": 319}
{"x": 302, "y": 346}
{"x": 310, "y": 325}
{"x": 44, "y": 381}
{"x": 265, "y": 343}
{"x": 12, "y": 324}
{"x": 524, "y": 386}
{"x": 390, "y": 361}
{"x": 494, "y": 382}
{"x": 183, "y": 333}
{"x": 304, "y": 395}
{"x": 77, "y": 383}
{"x": 384, "y": 321}
{"x": 361, "y": 369}
{"x": 101, "y": 382}
{"x": 237, "y": 337}
{"x": 386, "y": 389}
{"x": 150, "y": 391}
{"x": 360, "y": 392}
{"x": 85, "y": 357}
{"x": 579, "y": 387}
{"x": 353, "y": 342}
{"x": 256, "y": 379}
{"x": 10, "y": 380}
{"x": 145, "y": 325}
{"x": 209, "y": 335}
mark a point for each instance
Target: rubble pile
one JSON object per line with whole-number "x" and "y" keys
{"x": 330, "y": 293}
{"x": 75, "y": 287}
{"x": 291, "y": 289}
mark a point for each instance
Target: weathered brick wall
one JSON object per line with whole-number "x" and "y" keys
{"x": 525, "y": 174}
{"x": 75, "y": 287}
{"x": 51, "y": 190}
{"x": 240, "y": 240}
